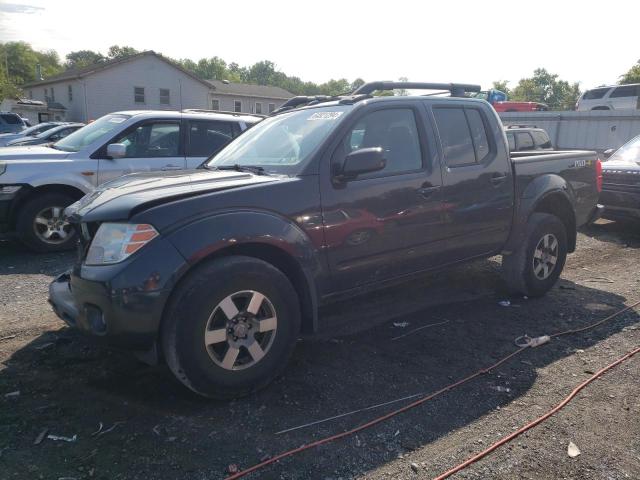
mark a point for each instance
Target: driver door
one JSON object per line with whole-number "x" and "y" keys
{"x": 154, "y": 145}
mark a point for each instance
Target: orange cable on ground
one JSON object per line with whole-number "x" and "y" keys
{"x": 420, "y": 401}
{"x": 538, "y": 420}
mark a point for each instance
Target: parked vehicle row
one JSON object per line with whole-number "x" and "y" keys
{"x": 5, "y": 138}
{"x": 39, "y": 182}
{"x": 219, "y": 269}
{"x": 49, "y": 135}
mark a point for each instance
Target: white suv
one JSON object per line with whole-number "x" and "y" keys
{"x": 38, "y": 182}
{"x": 615, "y": 97}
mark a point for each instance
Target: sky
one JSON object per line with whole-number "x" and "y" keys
{"x": 473, "y": 42}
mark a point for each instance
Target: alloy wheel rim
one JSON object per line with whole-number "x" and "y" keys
{"x": 240, "y": 330}
{"x": 545, "y": 256}
{"x": 50, "y": 225}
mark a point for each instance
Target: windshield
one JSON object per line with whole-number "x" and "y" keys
{"x": 90, "y": 133}
{"x": 36, "y": 129}
{"x": 629, "y": 152}
{"x": 281, "y": 144}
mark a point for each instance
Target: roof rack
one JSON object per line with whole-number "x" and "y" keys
{"x": 304, "y": 100}
{"x": 456, "y": 89}
{"x": 521, "y": 126}
{"x": 225, "y": 112}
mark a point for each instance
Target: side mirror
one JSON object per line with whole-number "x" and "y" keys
{"x": 608, "y": 152}
{"x": 364, "y": 160}
{"x": 116, "y": 150}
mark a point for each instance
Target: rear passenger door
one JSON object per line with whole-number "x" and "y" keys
{"x": 477, "y": 191}
{"x": 206, "y": 138}
{"x": 152, "y": 145}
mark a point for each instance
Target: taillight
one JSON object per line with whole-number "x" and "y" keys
{"x": 599, "y": 175}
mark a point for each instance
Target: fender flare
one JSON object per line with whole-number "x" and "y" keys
{"x": 240, "y": 231}
{"x": 536, "y": 192}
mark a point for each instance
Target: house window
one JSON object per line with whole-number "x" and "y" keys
{"x": 258, "y": 107}
{"x": 165, "y": 96}
{"x": 272, "y": 107}
{"x": 46, "y": 94}
{"x": 31, "y": 94}
{"x": 138, "y": 94}
{"x": 215, "y": 104}
{"x": 53, "y": 95}
{"x": 70, "y": 93}
{"x": 237, "y": 106}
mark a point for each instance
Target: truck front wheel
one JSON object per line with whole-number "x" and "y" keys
{"x": 231, "y": 327}
{"x": 535, "y": 267}
{"x": 41, "y": 224}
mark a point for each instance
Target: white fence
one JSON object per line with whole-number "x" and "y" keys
{"x": 595, "y": 130}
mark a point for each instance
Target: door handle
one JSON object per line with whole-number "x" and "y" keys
{"x": 426, "y": 192}
{"x": 171, "y": 167}
{"x": 498, "y": 179}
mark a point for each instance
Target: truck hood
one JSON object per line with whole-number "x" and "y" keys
{"x": 621, "y": 165}
{"x": 119, "y": 199}
{"x": 35, "y": 152}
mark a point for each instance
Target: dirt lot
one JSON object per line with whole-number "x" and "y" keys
{"x": 69, "y": 384}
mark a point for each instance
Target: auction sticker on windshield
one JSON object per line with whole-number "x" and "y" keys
{"x": 325, "y": 115}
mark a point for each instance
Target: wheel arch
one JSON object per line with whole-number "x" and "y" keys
{"x": 32, "y": 192}
{"x": 260, "y": 235}
{"x": 546, "y": 194}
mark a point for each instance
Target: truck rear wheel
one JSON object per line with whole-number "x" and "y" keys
{"x": 41, "y": 225}
{"x": 231, "y": 327}
{"x": 535, "y": 267}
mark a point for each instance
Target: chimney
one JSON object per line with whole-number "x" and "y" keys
{"x": 39, "y": 72}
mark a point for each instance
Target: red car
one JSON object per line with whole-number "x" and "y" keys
{"x": 500, "y": 103}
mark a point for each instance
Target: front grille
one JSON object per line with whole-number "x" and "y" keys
{"x": 621, "y": 180}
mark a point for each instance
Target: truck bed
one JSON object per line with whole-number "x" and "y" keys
{"x": 576, "y": 167}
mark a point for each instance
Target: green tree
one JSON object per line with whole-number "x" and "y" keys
{"x": 633, "y": 75}
{"x": 18, "y": 63}
{"x": 357, "y": 83}
{"x": 545, "y": 87}
{"x": 83, "y": 58}
{"x": 116, "y": 51}
{"x": 261, "y": 73}
{"x": 401, "y": 92}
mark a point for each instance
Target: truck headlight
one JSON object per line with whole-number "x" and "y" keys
{"x": 114, "y": 242}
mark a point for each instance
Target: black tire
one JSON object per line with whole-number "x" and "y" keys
{"x": 518, "y": 268}
{"x": 26, "y": 229}
{"x": 188, "y": 316}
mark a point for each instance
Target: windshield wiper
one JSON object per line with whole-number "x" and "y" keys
{"x": 242, "y": 168}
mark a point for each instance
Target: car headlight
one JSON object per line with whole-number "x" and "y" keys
{"x": 114, "y": 242}
{"x": 3, "y": 167}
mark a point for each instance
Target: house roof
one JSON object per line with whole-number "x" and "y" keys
{"x": 249, "y": 90}
{"x": 76, "y": 73}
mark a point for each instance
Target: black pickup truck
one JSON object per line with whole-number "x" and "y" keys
{"x": 219, "y": 270}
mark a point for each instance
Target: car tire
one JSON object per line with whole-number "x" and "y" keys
{"x": 42, "y": 216}
{"x": 201, "y": 329}
{"x": 534, "y": 268}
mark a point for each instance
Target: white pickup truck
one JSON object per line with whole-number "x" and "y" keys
{"x": 37, "y": 183}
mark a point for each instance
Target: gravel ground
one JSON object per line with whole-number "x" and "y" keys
{"x": 69, "y": 384}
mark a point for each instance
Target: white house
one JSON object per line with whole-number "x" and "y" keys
{"x": 147, "y": 81}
